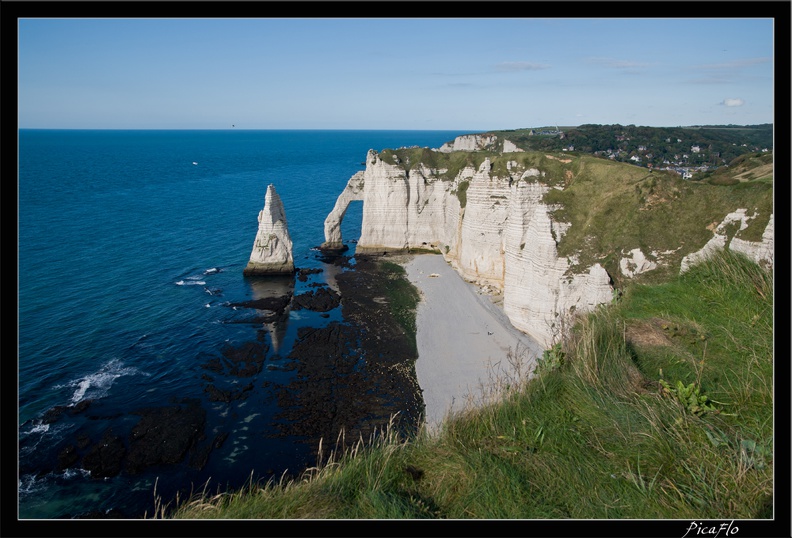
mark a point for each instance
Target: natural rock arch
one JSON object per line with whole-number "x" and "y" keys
{"x": 332, "y": 225}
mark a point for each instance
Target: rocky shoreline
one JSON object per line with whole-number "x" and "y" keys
{"x": 352, "y": 379}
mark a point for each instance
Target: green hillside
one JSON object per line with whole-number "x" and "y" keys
{"x": 709, "y": 146}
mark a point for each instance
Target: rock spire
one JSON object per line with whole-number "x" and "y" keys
{"x": 272, "y": 249}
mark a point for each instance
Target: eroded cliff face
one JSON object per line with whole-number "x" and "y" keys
{"x": 401, "y": 210}
{"x": 540, "y": 295}
{"x": 759, "y": 251}
{"x": 494, "y": 229}
{"x": 479, "y": 252}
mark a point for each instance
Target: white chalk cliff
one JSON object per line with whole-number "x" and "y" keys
{"x": 493, "y": 229}
{"x": 539, "y": 294}
{"x": 272, "y": 248}
{"x": 759, "y": 251}
{"x": 502, "y": 235}
{"x": 472, "y": 142}
{"x": 636, "y": 264}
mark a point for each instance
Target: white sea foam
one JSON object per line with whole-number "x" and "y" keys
{"x": 97, "y": 384}
{"x": 190, "y": 283}
{"x": 37, "y": 428}
{"x": 39, "y": 433}
{"x": 72, "y": 473}
{"x": 30, "y": 484}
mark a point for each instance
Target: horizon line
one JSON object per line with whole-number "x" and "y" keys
{"x": 372, "y": 129}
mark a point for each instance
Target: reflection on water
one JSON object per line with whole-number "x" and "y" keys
{"x": 274, "y": 287}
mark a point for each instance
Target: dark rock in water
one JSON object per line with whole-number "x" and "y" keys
{"x": 246, "y": 359}
{"x": 81, "y": 406}
{"x": 67, "y": 457}
{"x": 104, "y": 417}
{"x": 83, "y": 441}
{"x": 105, "y": 458}
{"x": 214, "y": 291}
{"x": 332, "y": 249}
{"x": 319, "y": 300}
{"x": 217, "y": 395}
{"x": 214, "y": 365}
{"x": 164, "y": 435}
{"x": 219, "y": 440}
{"x": 201, "y": 455}
{"x": 274, "y": 304}
{"x": 302, "y": 274}
{"x": 351, "y": 377}
{"x": 55, "y": 413}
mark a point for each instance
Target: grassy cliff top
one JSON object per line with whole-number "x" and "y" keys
{"x": 614, "y": 207}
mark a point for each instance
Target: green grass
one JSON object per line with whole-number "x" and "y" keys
{"x": 595, "y": 435}
{"x": 461, "y": 193}
{"x": 613, "y": 208}
{"x": 402, "y": 297}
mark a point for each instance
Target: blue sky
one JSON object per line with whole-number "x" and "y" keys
{"x": 471, "y": 74}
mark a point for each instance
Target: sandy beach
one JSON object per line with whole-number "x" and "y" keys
{"x": 463, "y": 339}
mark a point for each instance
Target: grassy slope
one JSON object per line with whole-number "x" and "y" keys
{"x": 595, "y": 434}
{"x": 614, "y": 208}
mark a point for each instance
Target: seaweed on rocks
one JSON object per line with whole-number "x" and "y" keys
{"x": 352, "y": 377}
{"x": 322, "y": 299}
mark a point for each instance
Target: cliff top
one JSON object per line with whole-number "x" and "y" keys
{"x": 613, "y": 207}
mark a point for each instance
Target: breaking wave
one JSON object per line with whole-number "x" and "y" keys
{"x": 97, "y": 384}
{"x": 189, "y": 282}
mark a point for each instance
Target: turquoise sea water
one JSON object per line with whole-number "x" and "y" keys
{"x": 131, "y": 245}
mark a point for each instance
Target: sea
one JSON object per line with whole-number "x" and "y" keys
{"x": 131, "y": 247}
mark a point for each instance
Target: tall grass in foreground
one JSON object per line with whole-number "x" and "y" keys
{"x": 659, "y": 406}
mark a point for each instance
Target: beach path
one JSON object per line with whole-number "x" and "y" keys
{"x": 463, "y": 339}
